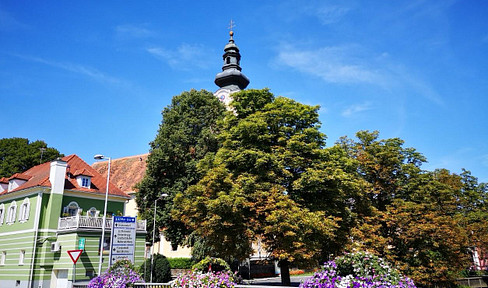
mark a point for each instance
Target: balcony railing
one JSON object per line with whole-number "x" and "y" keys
{"x": 88, "y": 222}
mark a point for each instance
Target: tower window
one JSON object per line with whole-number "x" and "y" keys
{"x": 227, "y": 60}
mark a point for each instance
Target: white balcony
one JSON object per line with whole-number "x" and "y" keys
{"x": 91, "y": 223}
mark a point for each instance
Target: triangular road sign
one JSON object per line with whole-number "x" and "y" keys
{"x": 74, "y": 255}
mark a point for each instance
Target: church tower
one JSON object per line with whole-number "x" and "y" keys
{"x": 230, "y": 80}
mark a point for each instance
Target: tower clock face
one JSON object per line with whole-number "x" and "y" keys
{"x": 222, "y": 98}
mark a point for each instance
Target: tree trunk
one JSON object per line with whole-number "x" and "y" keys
{"x": 285, "y": 273}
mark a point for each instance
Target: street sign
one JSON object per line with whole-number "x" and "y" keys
{"x": 123, "y": 239}
{"x": 74, "y": 255}
{"x": 81, "y": 243}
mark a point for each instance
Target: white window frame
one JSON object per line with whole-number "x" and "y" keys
{"x": 70, "y": 209}
{"x": 21, "y": 257}
{"x": 3, "y": 257}
{"x": 92, "y": 212}
{"x": 12, "y": 212}
{"x": 2, "y": 213}
{"x": 85, "y": 182}
{"x": 24, "y": 211}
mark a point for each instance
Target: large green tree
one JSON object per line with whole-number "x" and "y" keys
{"x": 186, "y": 134}
{"x": 414, "y": 218}
{"x": 19, "y": 154}
{"x": 252, "y": 187}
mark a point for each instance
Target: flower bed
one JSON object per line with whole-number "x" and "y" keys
{"x": 357, "y": 270}
{"x": 224, "y": 279}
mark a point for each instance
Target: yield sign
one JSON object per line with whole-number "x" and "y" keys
{"x": 74, "y": 255}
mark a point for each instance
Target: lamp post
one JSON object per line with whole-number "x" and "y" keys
{"x": 164, "y": 195}
{"x": 102, "y": 242}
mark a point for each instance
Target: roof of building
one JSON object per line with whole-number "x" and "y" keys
{"x": 125, "y": 172}
{"x": 4, "y": 180}
{"x": 20, "y": 176}
{"x": 38, "y": 176}
{"x": 83, "y": 172}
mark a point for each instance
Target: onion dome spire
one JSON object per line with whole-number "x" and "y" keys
{"x": 231, "y": 77}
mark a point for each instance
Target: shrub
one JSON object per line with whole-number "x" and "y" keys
{"x": 120, "y": 275}
{"x": 161, "y": 270}
{"x": 180, "y": 263}
{"x": 224, "y": 279}
{"x": 211, "y": 263}
{"x": 360, "y": 269}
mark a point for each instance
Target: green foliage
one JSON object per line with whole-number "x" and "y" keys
{"x": 248, "y": 189}
{"x": 414, "y": 218}
{"x": 263, "y": 172}
{"x": 161, "y": 269}
{"x": 211, "y": 263}
{"x": 19, "y": 154}
{"x": 180, "y": 263}
{"x": 186, "y": 134}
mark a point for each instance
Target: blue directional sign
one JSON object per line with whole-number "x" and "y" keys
{"x": 123, "y": 239}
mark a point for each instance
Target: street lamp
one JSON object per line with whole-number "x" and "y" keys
{"x": 164, "y": 195}
{"x": 102, "y": 242}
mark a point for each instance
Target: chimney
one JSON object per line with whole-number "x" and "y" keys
{"x": 57, "y": 175}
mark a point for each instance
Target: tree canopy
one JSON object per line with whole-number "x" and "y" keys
{"x": 414, "y": 218}
{"x": 247, "y": 191}
{"x": 19, "y": 154}
{"x": 186, "y": 135}
{"x": 261, "y": 171}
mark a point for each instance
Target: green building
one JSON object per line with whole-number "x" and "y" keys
{"x": 53, "y": 208}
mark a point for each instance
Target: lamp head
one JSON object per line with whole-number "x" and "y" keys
{"x": 98, "y": 157}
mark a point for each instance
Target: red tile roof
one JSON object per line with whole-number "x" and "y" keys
{"x": 39, "y": 176}
{"x": 125, "y": 172}
{"x": 19, "y": 176}
{"x": 4, "y": 180}
{"x": 83, "y": 172}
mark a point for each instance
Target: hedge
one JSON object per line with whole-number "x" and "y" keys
{"x": 180, "y": 263}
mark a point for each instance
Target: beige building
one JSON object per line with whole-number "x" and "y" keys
{"x": 125, "y": 173}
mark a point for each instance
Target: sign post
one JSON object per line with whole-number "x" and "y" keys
{"x": 74, "y": 255}
{"x": 123, "y": 242}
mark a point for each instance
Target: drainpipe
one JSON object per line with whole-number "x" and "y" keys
{"x": 36, "y": 227}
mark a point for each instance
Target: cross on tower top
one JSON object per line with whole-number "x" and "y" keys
{"x": 231, "y": 26}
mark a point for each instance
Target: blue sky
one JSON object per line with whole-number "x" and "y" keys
{"x": 92, "y": 77}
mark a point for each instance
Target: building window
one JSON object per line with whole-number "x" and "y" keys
{"x": 24, "y": 210}
{"x": 72, "y": 209}
{"x": 92, "y": 212}
{"x": 3, "y": 257}
{"x": 2, "y": 213}
{"x": 12, "y": 210}
{"x": 21, "y": 257}
{"x": 85, "y": 182}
